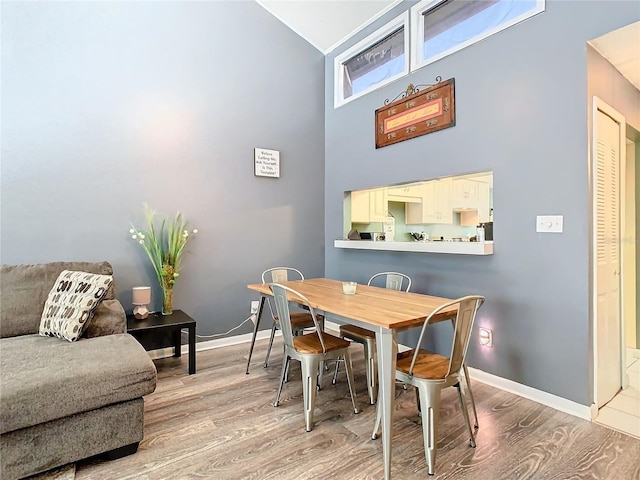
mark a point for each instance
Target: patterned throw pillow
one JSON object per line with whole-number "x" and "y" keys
{"x": 71, "y": 303}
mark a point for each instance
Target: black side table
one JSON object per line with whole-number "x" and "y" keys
{"x": 158, "y": 331}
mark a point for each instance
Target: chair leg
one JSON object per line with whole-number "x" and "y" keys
{"x": 347, "y": 364}
{"x": 335, "y": 374}
{"x": 309, "y": 378}
{"x": 371, "y": 371}
{"x": 273, "y": 334}
{"x": 465, "y": 413}
{"x": 286, "y": 373}
{"x": 430, "y": 406}
{"x": 285, "y": 368}
{"x": 321, "y": 374}
{"x": 376, "y": 426}
{"x": 473, "y": 402}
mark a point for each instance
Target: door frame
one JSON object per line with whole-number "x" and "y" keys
{"x": 600, "y": 105}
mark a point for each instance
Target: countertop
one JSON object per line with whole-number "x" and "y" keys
{"x": 457, "y": 248}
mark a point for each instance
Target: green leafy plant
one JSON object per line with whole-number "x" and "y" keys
{"x": 165, "y": 247}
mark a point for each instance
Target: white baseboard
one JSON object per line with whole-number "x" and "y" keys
{"x": 544, "y": 398}
{"x": 539, "y": 396}
{"x": 548, "y": 399}
{"x": 210, "y": 344}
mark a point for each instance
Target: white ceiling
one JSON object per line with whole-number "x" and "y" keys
{"x": 325, "y": 24}
{"x": 328, "y": 23}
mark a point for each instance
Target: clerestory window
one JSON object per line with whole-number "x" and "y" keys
{"x": 442, "y": 27}
{"x": 375, "y": 61}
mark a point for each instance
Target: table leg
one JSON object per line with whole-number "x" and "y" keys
{"x": 255, "y": 330}
{"x": 177, "y": 342}
{"x": 192, "y": 349}
{"x": 387, "y": 350}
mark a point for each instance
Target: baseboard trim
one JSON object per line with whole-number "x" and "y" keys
{"x": 544, "y": 398}
{"x": 211, "y": 344}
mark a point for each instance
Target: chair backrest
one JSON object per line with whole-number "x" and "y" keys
{"x": 462, "y": 324}
{"x": 279, "y": 275}
{"x": 282, "y": 308}
{"x": 392, "y": 280}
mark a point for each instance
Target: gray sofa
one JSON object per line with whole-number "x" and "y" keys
{"x": 60, "y": 401}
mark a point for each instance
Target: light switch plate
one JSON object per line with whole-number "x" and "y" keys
{"x": 549, "y": 223}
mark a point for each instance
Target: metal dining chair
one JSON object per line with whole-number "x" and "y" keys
{"x": 299, "y": 320}
{"x": 367, "y": 338}
{"x": 310, "y": 349}
{"x": 429, "y": 373}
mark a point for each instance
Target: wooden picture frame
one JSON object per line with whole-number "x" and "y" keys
{"x": 416, "y": 113}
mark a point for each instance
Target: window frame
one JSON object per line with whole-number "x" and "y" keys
{"x": 417, "y": 32}
{"x": 401, "y": 21}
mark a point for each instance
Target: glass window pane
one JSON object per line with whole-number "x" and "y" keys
{"x": 377, "y": 63}
{"x": 455, "y": 22}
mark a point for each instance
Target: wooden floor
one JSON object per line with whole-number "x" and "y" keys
{"x": 221, "y": 424}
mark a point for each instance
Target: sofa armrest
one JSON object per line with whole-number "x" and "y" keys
{"x": 109, "y": 318}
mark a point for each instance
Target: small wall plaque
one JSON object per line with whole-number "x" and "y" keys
{"x": 416, "y": 113}
{"x": 266, "y": 163}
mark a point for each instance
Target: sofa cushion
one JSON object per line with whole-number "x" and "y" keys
{"x": 24, "y": 290}
{"x": 108, "y": 318}
{"x": 45, "y": 379}
{"x": 71, "y": 303}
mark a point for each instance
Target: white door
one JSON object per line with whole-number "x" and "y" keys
{"x": 608, "y": 131}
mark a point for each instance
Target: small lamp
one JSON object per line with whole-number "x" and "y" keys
{"x": 141, "y": 298}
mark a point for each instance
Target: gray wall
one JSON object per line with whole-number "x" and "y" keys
{"x": 521, "y": 108}
{"x": 106, "y": 105}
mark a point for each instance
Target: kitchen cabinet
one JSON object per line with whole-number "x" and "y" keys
{"x": 435, "y": 207}
{"x": 484, "y": 201}
{"x": 464, "y": 194}
{"x": 405, "y": 193}
{"x": 471, "y": 201}
{"x": 369, "y": 206}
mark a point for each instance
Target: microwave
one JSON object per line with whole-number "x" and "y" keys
{"x": 375, "y": 236}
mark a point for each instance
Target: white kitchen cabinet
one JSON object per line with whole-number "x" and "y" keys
{"x": 405, "y": 193}
{"x": 435, "y": 207}
{"x": 476, "y": 212}
{"x": 484, "y": 210}
{"x": 464, "y": 194}
{"x": 369, "y": 206}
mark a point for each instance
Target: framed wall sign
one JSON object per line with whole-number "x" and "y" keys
{"x": 416, "y": 113}
{"x": 266, "y": 163}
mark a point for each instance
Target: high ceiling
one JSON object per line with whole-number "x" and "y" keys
{"x": 327, "y": 23}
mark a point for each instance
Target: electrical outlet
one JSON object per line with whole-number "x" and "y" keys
{"x": 486, "y": 336}
{"x": 254, "y": 306}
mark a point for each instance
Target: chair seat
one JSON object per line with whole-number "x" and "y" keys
{"x": 310, "y": 343}
{"x": 429, "y": 365}
{"x": 356, "y": 333}
{"x": 302, "y": 319}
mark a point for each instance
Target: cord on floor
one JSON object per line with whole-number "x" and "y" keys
{"x": 248, "y": 319}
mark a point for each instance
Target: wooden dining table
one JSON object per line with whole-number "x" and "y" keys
{"x": 381, "y": 310}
